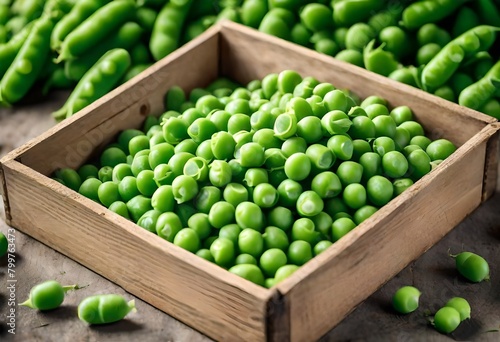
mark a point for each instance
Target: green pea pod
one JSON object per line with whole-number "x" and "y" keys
{"x": 57, "y": 9}
{"x": 152, "y": 3}
{"x": 126, "y": 37}
{"x": 4, "y": 14}
{"x": 443, "y": 65}
{"x": 349, "y": 12}
{"x": 167, "y": 30}
{"x": 465, "y": 20}
{"x": 3, "y": 34}
{"x": 16, "y": 24}
{"x": 27, "y": 65}
{"x": 146, "y": 17}
{"x": 98, "y": 81}
{"x": 31, "y": 9}
{"x": 378, "y": 60}
{"x": 81, "y": 11}
{"x": 488, "y": 12}
{"x": 102, "y": 309}
{"x": 477, "y": 94}
{"x": 387, "y": 17}
{"x": 429, "y": 11}
{"x": 96, "y": 28}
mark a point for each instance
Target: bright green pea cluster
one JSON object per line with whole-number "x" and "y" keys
{"x": 449, "y": 317}
{"x": 267, "y": 175}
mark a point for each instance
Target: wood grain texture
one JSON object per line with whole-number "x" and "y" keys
{"x": 178, "y": 282}
{"x": 362, "y": 261}
{"x": 247, "y": 55}
{"x": 194, "y": 64}
{"x": 491, "y": 165}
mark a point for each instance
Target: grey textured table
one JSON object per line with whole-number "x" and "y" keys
{"x": 433, "y": 273}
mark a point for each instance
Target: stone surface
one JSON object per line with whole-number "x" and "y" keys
{"x": 374, "y": 320}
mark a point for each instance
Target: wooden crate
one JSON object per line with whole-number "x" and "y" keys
{"x": 222, "y": 305}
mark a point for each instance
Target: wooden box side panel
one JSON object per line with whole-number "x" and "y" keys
{"x": 376, "y": 250}
{"x": 491, "y": 165}
{"x": 248, "y": 54}
{"x": 195, "y": 291}
{"x": 75, "y": 139}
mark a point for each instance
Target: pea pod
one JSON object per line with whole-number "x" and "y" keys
{"x": 387, "y": 17}
{"x": 47, "y": 295}
{"x": 81, "y": 11}
{"x": 16, "y": 24}
{"x": 4, "y": 14}
{"x": 31, "y": 9}
{"x": 96, "y": 28}
{"x": 26, "y": 67}
{"x": 349, "y": 12}
{"x": 442, "y": 66}
{"x": 167, "y": 30}
{"x": 488, "y": 12}
{"x": 98, "y": 81}
{"x": 146, "y": 17}
{"x": 102, "y": 309}
{"x": 429, "y": 11}
{"x": 125, "y": 38}
{"x": 477, "y": 94}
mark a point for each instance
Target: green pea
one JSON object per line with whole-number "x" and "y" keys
{"x": 472, "y": 266}
{"x": 105, "y": 174}
{"x": 230, "y": 231}
{"x": 221, "y": 214}
{"x": 108, "y": 193}
{"x": 304, "y": 229}
{"x": 47, "y": 295}
{"x": 249, "y": 272}
{"x": 289, "y": 192}
{"x": 413, "y": 127}
{"x": 379, "y": 190}
{"x": 351, "y": 56}
{"x": 362, "y": 128}
{"x": 372, "y": 165}
{"x": 250, "y": 215}
{"x": 298, "y": 166}
{"x": 354, "y": 195}
{"x": 394, "y": 164}
{"x": 251, "y": 242}
{"x": 309, "y": 203}
{"x": 342, "y": 226}
{"x": 440, "y": 149}
{"x": 88, "y": 171}
{"x": 326, "y": 184}
{"x": 299, "y": 253}
{"x": 446, "y": 320}
{"x": 401, "y": 185}
{"x": 284, "y": 272}
{"x": 275, "y": 237}
{"x": 245, "y": 259}
{"x": 104, "y": 309}
{"x": 206, "y": 198}
{"x": 188, "y": 239}
{"x": 120, "y": 208}
{"x": 90, "y": 188}
{"x": 349, "y": 172}
{"x": 205, "y": 254}
{"x": 138, "y": 205}
{"x": 321, "y": 157}
{"x": 358, "y": 36}
{"x": 220, "y": 173}
{"x": 280, "y": 217}
{"x": 271, "y": 260}
{"x": 364, "y": 213}
{"x": 427, "y": 52}
{"x": 168, "y": 225}
{"x": 405, "y": 300}
{"x": 461, "y": 305}
{"x": 70, "y": 177}
{"x": 293, "y": 145}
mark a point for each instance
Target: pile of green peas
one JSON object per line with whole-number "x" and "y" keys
{"x": 444, "y": 47}
{"x": 260, "y": 179}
